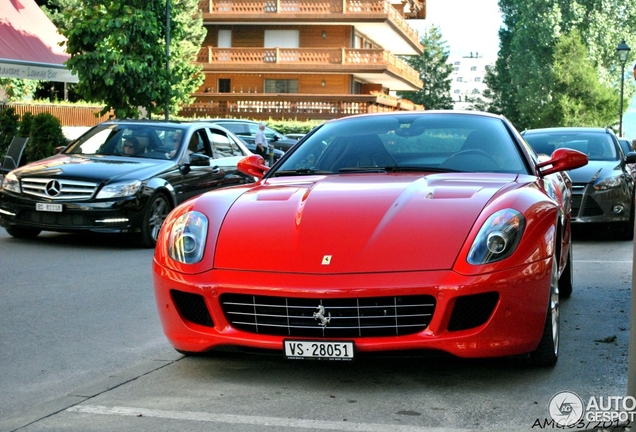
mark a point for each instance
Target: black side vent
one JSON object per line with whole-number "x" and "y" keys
{"x": 472, "y": 310}
{"x": 192, "y": 307}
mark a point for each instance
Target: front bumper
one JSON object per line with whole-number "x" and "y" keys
{"x": 599, "y": 206}
{"x": 491, "y": 315}
{"x": 121, "y": 215}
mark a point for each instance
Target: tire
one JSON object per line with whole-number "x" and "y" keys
{"x": 23, "y": 233}
{"x": 547, "y": 352}
{"x": 155, "y": 214}
{"x": 566, "y": 281}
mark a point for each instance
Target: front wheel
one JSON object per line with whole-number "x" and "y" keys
{"x": 566, "y": 280}
{"x": 155, "y": 213}
{"x": 547, "y": 352}
{"x": 23, "y": 233}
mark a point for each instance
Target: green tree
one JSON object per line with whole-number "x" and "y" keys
{"x": 530, "y": 83}
{"x": 117, "y": 50}
{"x": 18, "y": 89}
{"x": 579, "y": 97}
{"x": 55, "y": 10}
{"x": 435, "y": 72}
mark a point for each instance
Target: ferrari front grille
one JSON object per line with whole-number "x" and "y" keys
{"x": 58, "y": 189}
{"x": 328, "y": 318}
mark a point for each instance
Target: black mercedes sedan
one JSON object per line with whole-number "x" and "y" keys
{"x": 121, "y": 176}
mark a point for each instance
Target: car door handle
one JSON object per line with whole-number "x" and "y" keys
{"x": 216, "y": 169}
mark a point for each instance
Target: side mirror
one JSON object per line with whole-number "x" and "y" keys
{"x": 631, "y": 157}
{"x": 253, "y": 165}
{"x": 196, "y": 159}
{"x": 562, "y": 159}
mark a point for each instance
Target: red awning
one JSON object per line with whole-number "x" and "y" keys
{"x": 29, "y": 43}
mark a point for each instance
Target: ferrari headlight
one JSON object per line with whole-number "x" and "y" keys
{"x": 11, "y": 183}
{"x": 608, "y": 183}
{"x": 498, "y": 237}
{"x": 118, "y": 190}
{"x": 187, "y": 238}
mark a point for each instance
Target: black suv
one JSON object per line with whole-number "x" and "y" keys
{"x": 246, "y": 129}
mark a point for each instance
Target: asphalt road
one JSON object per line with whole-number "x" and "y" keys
{"x": 81, "y": 349}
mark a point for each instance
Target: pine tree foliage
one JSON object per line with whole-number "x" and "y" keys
{"x": 435, "y": 72}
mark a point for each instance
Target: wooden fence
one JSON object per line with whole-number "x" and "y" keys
{"x": 68, "y": 115}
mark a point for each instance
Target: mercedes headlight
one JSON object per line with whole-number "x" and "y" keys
{"x": 187, "y": 238}
{"x": 119, "y": 190}
{"x": 498, "y": 237}
{"x": 11, "y": 183}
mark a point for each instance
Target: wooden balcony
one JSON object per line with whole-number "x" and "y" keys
{"x": 264, "y": 106}
{"x": 377, "y": 66}
{"x": 372, "y": 17}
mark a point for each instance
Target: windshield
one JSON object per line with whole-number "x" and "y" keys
{"x": 148, "y": 141}
{"x": 414, "y": 142}
{"x": 597, "y": 146}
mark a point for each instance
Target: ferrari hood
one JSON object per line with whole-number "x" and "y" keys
{"x": 93, "y": 168}
{"x": 353, "y": 223}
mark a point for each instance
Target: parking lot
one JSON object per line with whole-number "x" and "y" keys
{"x": 81, "y": 348}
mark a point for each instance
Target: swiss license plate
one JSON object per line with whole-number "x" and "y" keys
{"x": 48, "y": 207}
{"x": 318, "y": 350}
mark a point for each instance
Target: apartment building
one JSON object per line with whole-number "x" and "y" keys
{"x": 306, "y": 59}
{"x": 468, "y": 78}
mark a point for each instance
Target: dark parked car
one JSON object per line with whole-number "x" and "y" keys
{"x": 603, "y": 190}
{"x": 120, "y": 176}
{"x": 246, "y": 129}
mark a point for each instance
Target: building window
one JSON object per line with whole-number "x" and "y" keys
{"x": 456, "y": 92}
{"x": 475, "y": 91}
{"x": 455, "y": 69}
{"x": 281, "y": 86}
{"x": 460, "y": 79}
{"x": 477, "y": 79}
{"x": 456, "y": 63}
{"x": 225, "y": 38}
{"x": 282, "y": 38}
{"x": 224, "y": 85}
{"x": 473, "y": 68}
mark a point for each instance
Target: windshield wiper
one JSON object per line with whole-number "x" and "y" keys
{"x": 300, "y": 171}
{"x": 362, "y": 170}
{"x": 396, "y": 168}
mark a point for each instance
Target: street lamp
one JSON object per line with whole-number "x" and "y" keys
{"x": 623, "y": 52}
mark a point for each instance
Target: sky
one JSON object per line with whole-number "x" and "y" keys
{"x": 466, "y": 25}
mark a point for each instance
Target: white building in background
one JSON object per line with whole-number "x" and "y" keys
{"x": 468, "y": 78}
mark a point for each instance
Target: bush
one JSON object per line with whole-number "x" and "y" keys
{"x": 292, "y": 126}
{"x": 9, "y": 124}
{"x": 46, "y": 134}
{"x": 25, "y": 124}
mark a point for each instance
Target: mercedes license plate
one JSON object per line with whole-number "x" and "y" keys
{"x": 318, "y": 350}
{"x": 48, "y": 207}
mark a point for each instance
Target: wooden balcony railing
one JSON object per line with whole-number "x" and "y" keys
{"x": 310, "y": 8}
{"x": 344, "y": 59}
{"x": 264, "y": 106}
